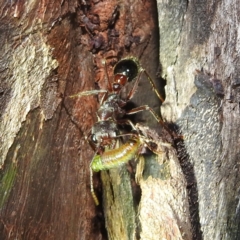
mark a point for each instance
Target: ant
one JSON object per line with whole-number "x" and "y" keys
{"x": 111, "y": 111}
{"x": 105, "y": 132}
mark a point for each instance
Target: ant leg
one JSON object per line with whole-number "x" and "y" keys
{"x": 88, "y": 93}
{"x": 104, "y": 97}
{"x": 106, "y": 74}
{"x": 153, "y": 85}
{"x": 133, "y": 90}
{"x": 92, "y": 92}
{"x": 146, "y": 107}
{"x": 126, "y": 122}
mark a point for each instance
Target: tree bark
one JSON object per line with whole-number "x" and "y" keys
{"x": 44, "y": 157}
{"x": 199, "y": 53}
{"x": 54, "y": 49}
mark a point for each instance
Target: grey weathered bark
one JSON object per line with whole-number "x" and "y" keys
{"x": 199, "y": 52}
{"x": 51, "y": 50}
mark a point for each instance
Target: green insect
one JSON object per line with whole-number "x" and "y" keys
{"x": 114, "y": 158}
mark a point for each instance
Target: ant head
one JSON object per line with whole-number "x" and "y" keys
{"x": 119, "y": 81}
{"x": 103, "y": 133}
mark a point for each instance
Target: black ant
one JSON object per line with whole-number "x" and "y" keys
{"x": 106, "y": 131}
{"x": 111, "y": 111}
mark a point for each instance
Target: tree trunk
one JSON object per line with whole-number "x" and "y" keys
{"x": 44, "y": 157}
{"x": 199, "y": 52}
{"x": 52, "y": 50}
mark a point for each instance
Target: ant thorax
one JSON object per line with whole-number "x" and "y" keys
{"x": 111, "y": 108}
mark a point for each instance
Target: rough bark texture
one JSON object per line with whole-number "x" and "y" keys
{"x": 199, "y": 53}
{"x": 44, "y": 185}
{"x": 54, "y": 49}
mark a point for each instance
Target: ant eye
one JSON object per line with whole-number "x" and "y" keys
{"x": 128, "y": 68}
{"x": 93, "y": 138}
